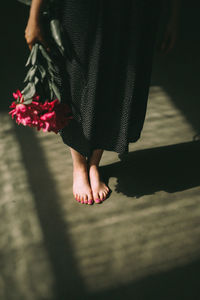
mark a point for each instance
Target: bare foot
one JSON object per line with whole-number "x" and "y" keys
{"x": 81, "y": 186}
{"x": 99, "y": 188}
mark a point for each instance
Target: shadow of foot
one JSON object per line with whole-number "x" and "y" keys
{"x": 171, "y": 169}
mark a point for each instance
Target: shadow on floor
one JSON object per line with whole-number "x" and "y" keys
{"x": 181, "y": 283}
{"x": 144, "y": 172}
{"x": 172, "y": 168}
{"x": 49, "y": 213}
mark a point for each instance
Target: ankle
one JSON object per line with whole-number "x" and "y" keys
{"x": 94, "y": 171}
{"x": 93, "y": 166}
{"x": 79, "y": 168}
{"x": 95, "y": 158}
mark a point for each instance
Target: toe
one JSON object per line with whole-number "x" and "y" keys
{"x": 97, "y": 198}
{"x": 90, "y": 199}
{"x": 101, "y": 196}
{"x": 104, "y": 195}
{"x": 77, "y": 198}
{"x": 82, "y": 199}
{"x": 86, "y": 199}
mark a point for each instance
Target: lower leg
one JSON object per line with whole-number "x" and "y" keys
{"x": 81, "y": 186}
{"x": 95, "y": 158}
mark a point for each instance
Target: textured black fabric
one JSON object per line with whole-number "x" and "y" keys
{"x": 113, "y": 43}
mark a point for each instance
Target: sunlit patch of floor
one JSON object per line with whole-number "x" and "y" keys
{"x": 165, "y": 124}
{"x": 24, "y": 261}
{"x": 124, "y": 243}
{"x": 128, "y": 239}
{"x": 113, "y": 244}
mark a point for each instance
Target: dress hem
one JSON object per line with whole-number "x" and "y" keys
{"x": 103, "y": 147}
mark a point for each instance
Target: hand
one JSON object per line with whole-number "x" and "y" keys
{"x": 170, "y": 37}
{"x": 34, "y": 33}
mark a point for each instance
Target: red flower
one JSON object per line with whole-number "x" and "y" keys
{"x": 18, "y": 95}
{"x": 48, "y": 116}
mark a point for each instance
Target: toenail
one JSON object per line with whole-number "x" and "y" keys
{"x": 97, "y": 200}
{"x": 90, "y": 201}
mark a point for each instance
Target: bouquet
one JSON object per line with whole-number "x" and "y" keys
{"x": 48, "y": 116}
{"x": 42, "y": 103}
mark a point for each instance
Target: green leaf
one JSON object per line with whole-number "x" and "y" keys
{"x": 35, "y": 52}
{"x": 29, "y": 58}
{"x": 29, "y": 91}
{"x": 36, "y": 80}
{"x": 30, "y": 74}
{"x": 42, "y": 71}
{"x": 56, "y": 33}
{"x": 56, "y": 91}
{"x": 45, "y": 54}
{"x": 50, "y": 89}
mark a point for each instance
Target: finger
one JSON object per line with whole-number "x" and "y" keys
{"x": 30, "y": 46}
{"x": 30, "y": 43}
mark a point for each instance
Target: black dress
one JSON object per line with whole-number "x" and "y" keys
{"x": 109, "y": 76}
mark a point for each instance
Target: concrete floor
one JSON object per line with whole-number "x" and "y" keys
{"x": 144, "y": 241}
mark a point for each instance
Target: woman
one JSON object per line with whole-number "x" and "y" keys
{"x": 113, "y": 41}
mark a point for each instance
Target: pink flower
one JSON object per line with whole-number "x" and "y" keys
{"x": 36, "y": 98}
{"x": 25, "y": 121}
{"x": 18, "y": 95}
{"x": 48, "y": 116}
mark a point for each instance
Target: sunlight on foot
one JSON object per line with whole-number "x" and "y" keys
{"x": 99, "y": 188}
{"x": 81, "y": 187}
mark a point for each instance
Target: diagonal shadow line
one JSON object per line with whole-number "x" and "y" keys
{"x": 180, "y": 283}
{"x": 54, "y": 229}
{"x": 171, "y": 168}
